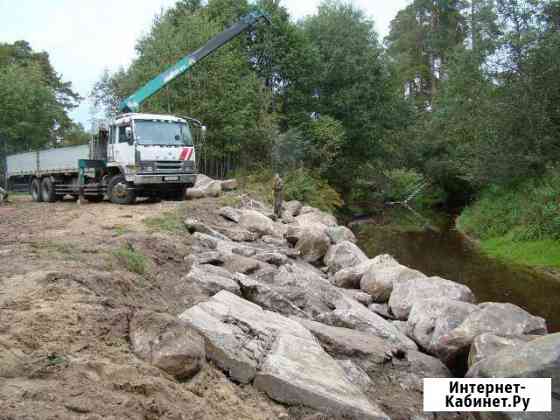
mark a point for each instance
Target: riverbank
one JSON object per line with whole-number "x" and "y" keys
{"x": 518, "y": 224}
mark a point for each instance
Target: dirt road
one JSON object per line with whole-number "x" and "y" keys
{"x": 71, "y": 278}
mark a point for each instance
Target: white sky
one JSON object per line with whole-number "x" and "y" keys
{"x": 84, "y": 37}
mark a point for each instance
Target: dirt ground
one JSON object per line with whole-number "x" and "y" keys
{"x": 71, "y": 278}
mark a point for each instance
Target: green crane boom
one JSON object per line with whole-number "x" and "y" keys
{"x": 133, "y": 102}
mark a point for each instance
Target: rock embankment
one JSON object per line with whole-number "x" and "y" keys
{"x": 301, "y": 313}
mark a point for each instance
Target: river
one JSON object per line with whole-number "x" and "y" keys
{"x": 442, "y": 251}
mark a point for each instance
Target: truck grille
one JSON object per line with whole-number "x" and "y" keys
{"x": 169, "y": 165}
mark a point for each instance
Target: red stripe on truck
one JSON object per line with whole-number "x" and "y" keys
{"x": 186, "y": 153}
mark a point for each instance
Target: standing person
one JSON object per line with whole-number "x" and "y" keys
{"x": 278, "y": 196}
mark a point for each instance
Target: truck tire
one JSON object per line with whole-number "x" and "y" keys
{"x": 47, "y": 190}
{"x": 36, "y": 191}
{"x": 119, "y": 192}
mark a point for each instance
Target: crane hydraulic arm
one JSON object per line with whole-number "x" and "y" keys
{"x": 133, "y": 102}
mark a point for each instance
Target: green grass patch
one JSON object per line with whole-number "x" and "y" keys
{"x": 544, "y": 253}
{"x": 131, "y": 259}
{"x": 169, "y": 222}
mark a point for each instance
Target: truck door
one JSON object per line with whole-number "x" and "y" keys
{"x": 111, "y": 144}
{"x": 123, "y": 151}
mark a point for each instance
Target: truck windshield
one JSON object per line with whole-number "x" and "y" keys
{"x": 162, "y": 133}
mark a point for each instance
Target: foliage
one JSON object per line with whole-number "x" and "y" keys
{"x": 299, "y": 184}
{"x": 544, "y": 253}
{"x": 34, "y": 101}
{"x": 307, "y": 187}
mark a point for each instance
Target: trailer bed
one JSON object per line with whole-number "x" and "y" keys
{"x": 44, "y": 162}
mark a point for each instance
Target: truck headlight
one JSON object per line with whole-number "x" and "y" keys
{"x": 148, "y": 169}
{"x": 188, "y": 165}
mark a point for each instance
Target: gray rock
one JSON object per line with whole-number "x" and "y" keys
{"x": 358, "y": 317}
{"x": 266, "y": 297}
{"x": 256, "y": 222}
{"x": 358, "y": 295}
{"x": 239, "y": 264}
{"x": 211, "y": 279}
{"x": 402, "y": 326}
{"x": 204, "y": 187}
{"x": 497, "y": 318}
{"x": 274, "y": 258}
{"x": 230, "y": 213}
{"x": 274, "y": 240}
{"x": 339, "y": 234}
{"x": 293, "y": 233}
{"x": 244, "y": 251}
{"x": 291, "y": 209}
{"x": 406, "y": 293}
{"x": 163, "y": 341}
{"x": 381, "y": 309}
{"x": 350, "y": 277}
{"x": 346, "y": 342}
{"x": 229, "y": 184}
{"x": 539, "y": 358}
{"x": 237, "y": 235}
{"x": 487, "y": 344}
{"x": 430, "y": 321}
{"x": 316, "y": 216}
{"x": 298, "y": 371}
{"x": 343, "y": 255}
{"x": 355, "y": 374}
{"x": 313, "y": 242}
{"x": 208, "y": 257}
{"x": 205, "y": 241}
{"x": 238, "y": 333}
{"x": 379, "y": 279}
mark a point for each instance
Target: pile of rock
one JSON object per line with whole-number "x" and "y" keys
{"x": 296, "y": 309}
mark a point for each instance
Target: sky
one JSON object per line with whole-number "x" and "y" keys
{"x": 83, "y": 38}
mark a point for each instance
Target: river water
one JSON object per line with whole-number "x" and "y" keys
{"x": 442, "y": 251}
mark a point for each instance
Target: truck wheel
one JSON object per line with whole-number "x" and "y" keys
{"x": 94, "y": 198}
{"x": 36, "y": 193}
{"x": 118, "y": 191}
{"x": 47, "y": 190}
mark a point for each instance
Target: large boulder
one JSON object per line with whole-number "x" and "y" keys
{"x": 299, "y": 372}
{"x": 313, "y": 243}
{"x": 316, "y": 216}
{"x": 266, "y": 297}
{"x": 235, "y": 263}
{"x": 204, "y": 187}
{"x": 291, "y": 209}
{"x": 229, "y": 184}
{"x": 487, "y": 344}
{"x": 257, "y": 222}
{"x": 497, "y": 318}
{"x": 163, "y": 341}
{"x": 539, "y": 358}
{"x": 389, "y": 376}
{"x": 406, "y": 293}
{"x": 379, "y": 279}
{"x": 211, "y": 279}
{"x": 349, "y": 278}
{"x": 280, "y": 355}
{"x": 339, "y": 234}
{"x": 430, "y": 320}
{"x": 343, "y": 255}
{"x": 237, "y": 234}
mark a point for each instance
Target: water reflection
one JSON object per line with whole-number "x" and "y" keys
{"x": 445, "y": 253}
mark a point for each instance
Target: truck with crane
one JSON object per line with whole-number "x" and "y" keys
{"x": 134, "y": 155}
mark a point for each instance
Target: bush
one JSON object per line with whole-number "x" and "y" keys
{"x": 404, "y": 183}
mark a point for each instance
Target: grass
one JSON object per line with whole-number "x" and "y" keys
{"x": 543, "y": 253}
{"x": 131, "y": 259}
{"x": 56, "y": 247}
{"x": 169, "y": 222}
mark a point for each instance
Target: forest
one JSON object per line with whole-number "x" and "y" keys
{"x": 459, "y": 106}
